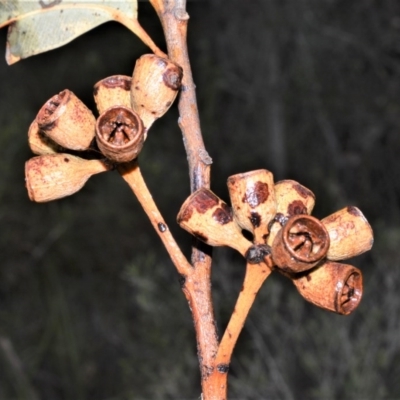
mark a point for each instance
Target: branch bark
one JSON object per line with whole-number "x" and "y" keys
{"x": 197, "y": 286}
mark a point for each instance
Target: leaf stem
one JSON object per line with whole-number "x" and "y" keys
{"x": 255, "y": 276}
{"x": 131, "y": 173}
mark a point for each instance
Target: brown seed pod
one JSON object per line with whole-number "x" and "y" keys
{"x": 53, "y": 176}
{"x": 67, "y": 121}
{"x": 350, "y": 233}
{"x": 113, "y": 91}
{"x": 333, "y": 286}
{"x": 291, "y": 199}
{"x": 39, "y": 143}
{"x": 155, "y": 85}
{"x": 119, "y": 134}
{"x": 209, "y": 219}
{"x": 253, "y": 201}
{"x": 301, "y": 244}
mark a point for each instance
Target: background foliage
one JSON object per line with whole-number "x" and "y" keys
{"x": 90, "y": 307}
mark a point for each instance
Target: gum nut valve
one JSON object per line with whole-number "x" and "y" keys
{"x": 300, "y": 244}
{"x": 119, "y": 134}
{"x": 292, "y": 198}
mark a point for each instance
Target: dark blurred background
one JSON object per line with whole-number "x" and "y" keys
{"x": 90, "y": 305}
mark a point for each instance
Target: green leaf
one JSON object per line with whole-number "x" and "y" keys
{"x": 41, "y": 25}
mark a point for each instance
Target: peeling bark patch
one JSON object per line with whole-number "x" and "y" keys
{"x": 296, "y": 207}
{"x": 302, "y": 191}
{"x": 353, "y": 211}
{"x": 223, "y": 214}
{"x": 257, "y": 194}
{"x": 255, "y": 219}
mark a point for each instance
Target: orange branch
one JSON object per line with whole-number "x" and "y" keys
{"x": 131, "y": 173}
{"x": 255, "y": 276}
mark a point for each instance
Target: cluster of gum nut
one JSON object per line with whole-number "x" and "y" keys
{"x": 68, "y": 140}
{"x": 285, "y": 236}
{"x": 72, "y": 145}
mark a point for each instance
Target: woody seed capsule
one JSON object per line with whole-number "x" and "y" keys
{"x": 350, "y": 233}
{"x": 155, "y": 85}
{"x": 209, "y": 219}
{"x": 301, "y": 244}
{"x": 113, "y": 91}
{"x": 53, "y": 176}
{"x": 39, "y": 143}
{"x": 333, "y": 286}
{"x": 119, "y": 134}
{"x": 253, "y": 201}
{"x": 67, "y": 121}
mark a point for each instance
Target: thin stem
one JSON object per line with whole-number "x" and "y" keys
{"x": 255, "y": 276}
{"x": 195, "y": 282}
{"x": 134, "y": 26}
{"x": 131, "y": 173}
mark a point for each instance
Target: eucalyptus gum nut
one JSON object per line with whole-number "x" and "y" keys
{"x": 112, "y": 91}
{"x": 292, "y": 198}
{"x": 253, "y": 201}
{"x": 209, "y": 219}
{"x": 300, "y": 244}
{"x": 53, "y": 176}
{"x": 333, "y": 286}
{"x": 120, "y": 134}
{"x": 67, "y": 121}
{"x": 155, "y": 85}
{"x": 39, "y": 143}
{"x": 350, "y": 233}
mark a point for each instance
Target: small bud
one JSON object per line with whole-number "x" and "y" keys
{"x": 209, "y": 219}
{"x": 39, "y": 143}
{"x": 113, "y": 91}
{"x": 67, "y": 121}
{"x": 253, "y": 201}
{"x": 301, "y": 244}
{"x": 53, "y": 176}
{"x": 333, "y": 286}
{"x": 291, "y": 199}
{"x": 119, "y": 134}
{"x": 155, "y": 85}
{"x": 350, "y": 233}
